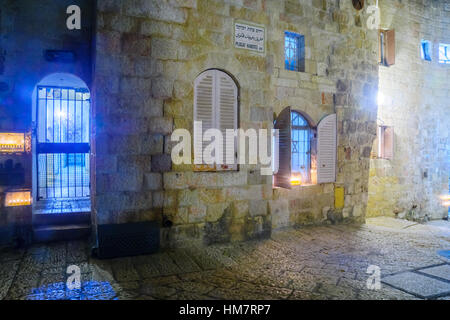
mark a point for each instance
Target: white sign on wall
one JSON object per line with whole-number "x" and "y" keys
{"x": 249, "y": 37}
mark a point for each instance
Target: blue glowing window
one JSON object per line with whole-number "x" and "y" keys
{"x": 301, "y": 146}
{"x": 444, "y": 53}
{"x": 425, "y": 50}
{"x": 294, "y": 51}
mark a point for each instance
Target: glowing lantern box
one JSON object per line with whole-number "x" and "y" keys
{"x": 18, "y": 199}
{"x": 12, "y": 142}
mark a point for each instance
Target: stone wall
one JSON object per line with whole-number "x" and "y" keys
{"x": 415, "y": 101}
{"x": 148, "y": 56}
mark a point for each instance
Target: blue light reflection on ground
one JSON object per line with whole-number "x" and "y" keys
{"x": 445, "y": 253}
{"x": 90, "y": 290}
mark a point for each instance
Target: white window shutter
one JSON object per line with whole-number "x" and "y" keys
{"x": 327, "y": 149}
{"x": 227, "y": 116}
{"x": 204, "y": 97}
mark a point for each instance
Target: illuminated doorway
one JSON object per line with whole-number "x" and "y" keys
{"x": 61, "y": 183}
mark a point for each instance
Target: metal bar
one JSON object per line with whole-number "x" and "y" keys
{"x": 63, "y": 147}
{"x": 37, "y": 138}
{"x": 75, "y": 155}
{"x": 60, "y": 140}
{"x": 82, "y": 178}
{"x": 67, "y": 139}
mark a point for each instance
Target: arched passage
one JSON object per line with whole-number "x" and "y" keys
{"x": 61, "y": 144}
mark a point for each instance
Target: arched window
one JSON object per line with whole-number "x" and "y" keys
{"x": 300, "y": 149}
{"x": 305, "y": 154}
{"x": 215, "y": 107}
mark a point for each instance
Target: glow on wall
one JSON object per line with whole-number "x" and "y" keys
{"x": 12, "y": 142}
{"x": 18, "y": 199}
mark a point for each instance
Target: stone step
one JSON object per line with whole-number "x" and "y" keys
{"x": 61, "y": 219}
{"x": 61, "y": 232}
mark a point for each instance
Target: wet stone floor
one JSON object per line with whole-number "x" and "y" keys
{"x": 328, "y": 262}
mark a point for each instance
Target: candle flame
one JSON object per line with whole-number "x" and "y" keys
{"x": 296, "y": 180}
{"x": 16, "y": 199}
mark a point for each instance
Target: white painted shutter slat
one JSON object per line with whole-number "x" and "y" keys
{"x": 326, "y": 149}
{"x": 227, "y": 116}
{"x": 204, "y": 96}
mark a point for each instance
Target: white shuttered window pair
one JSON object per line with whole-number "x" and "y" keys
{"x": 215, "y": 107}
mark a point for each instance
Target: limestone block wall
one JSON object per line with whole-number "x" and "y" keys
{"x": 415, "y": 101}
{"x": 341, "y": 77}
{"x": 148, "y": 54}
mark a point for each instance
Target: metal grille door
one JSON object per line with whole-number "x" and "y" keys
{"x": 63, "y": 143}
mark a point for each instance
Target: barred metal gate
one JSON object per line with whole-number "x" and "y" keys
{"x": 62, "y": 143}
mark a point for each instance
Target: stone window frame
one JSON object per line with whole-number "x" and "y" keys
{"x": 283, "y": 122}
{"x": 300, "y": 59}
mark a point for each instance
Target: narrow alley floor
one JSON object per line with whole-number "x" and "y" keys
{"x": 327, "y": 262}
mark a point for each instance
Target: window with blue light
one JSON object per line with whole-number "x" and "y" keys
{"x": 301, "y": 146}
{"x": 425, "y": 50}
{"x": 294, "y": 51}
{"x": 444, "y": 53}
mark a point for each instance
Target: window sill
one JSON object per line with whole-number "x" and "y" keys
{"x": 214, "y": 168}
{"x": 297, "y": 187}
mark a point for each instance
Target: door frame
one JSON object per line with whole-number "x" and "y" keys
{"x": 57, "y": 80}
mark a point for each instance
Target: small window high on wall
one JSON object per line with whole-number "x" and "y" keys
{"x": 305, "y": 154}
{"x": 444, "y": 53}
{"x": 215, "y": 107}
{"x": 386, "y": 48}
{"x": 425, "y": 50}
{"x": 385, "y": 142}
{"x": 294, "y": 51}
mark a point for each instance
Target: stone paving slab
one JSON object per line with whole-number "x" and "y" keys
{"x": 417, "y": 284}
{"x": 327, "y": 262}
{"x": 442, "y": 272}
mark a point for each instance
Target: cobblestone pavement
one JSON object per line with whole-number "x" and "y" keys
{"x": 328, "y": 262}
